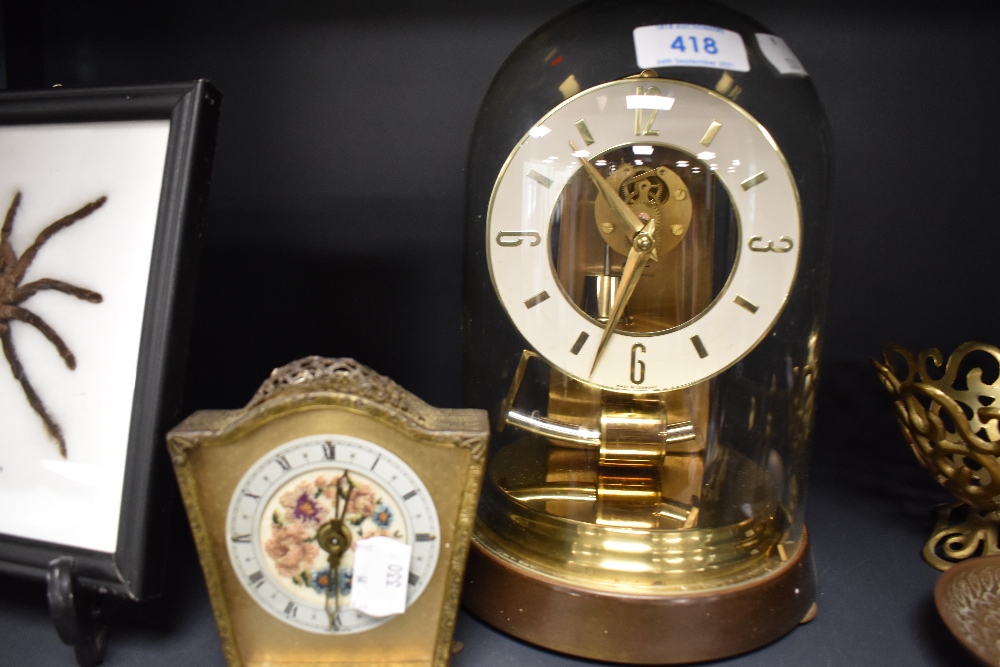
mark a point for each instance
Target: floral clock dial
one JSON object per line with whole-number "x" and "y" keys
{"x": 295, "y": 519}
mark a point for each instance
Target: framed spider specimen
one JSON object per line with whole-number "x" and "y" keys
{"x": 101, "y": 197}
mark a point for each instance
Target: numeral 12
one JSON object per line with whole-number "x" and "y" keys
{"x": 647, "y": 129}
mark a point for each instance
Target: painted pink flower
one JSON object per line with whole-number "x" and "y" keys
{"x": 362, "y": 500}
{"x": 330, "y": 490}
{"x": 289, "y": 550}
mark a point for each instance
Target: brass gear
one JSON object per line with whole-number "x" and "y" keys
{"x": 651, "y": 193}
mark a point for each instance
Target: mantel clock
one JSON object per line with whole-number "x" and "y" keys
{"x": 646, "y": 268}
{"x": 332, "y": 517}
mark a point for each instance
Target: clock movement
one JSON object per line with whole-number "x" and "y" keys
{"x": 646, "y": 267}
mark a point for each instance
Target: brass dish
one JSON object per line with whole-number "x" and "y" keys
{"x": 968, "y": 598}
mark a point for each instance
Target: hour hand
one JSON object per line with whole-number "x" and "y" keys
{"x": 334, "y": 538}
{"x": 627, "y": 220}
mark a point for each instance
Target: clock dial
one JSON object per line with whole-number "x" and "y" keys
{"x": 644, "y": 235}
{"x": 297, "y": 514}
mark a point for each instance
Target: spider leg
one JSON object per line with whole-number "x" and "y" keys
{"x": 33, "y": 399}
{"x": 28, "y": 317}
{"x": 22, "y": 293}
{"x": 62, "y": 223}
{"x": 8, "y": 221}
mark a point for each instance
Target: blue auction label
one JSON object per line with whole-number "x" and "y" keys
{"x": 689, "y": 45}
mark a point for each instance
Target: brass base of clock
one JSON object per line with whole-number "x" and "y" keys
{"x": 677, "y": 627}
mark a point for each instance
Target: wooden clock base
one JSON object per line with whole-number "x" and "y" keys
{"x": 639, "y": 629}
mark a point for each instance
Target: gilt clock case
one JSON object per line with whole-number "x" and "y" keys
{"x": 726, "y": 386}
{"x": 329, "y": 445}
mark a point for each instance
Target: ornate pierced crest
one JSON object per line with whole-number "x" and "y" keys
{"x": 950, "y": 415}
{"x": 341, "y": 375}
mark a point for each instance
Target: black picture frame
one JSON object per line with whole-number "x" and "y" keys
{"x": 134, "y": 570}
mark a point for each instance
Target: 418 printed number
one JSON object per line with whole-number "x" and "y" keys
{"x": 708, "y": 44}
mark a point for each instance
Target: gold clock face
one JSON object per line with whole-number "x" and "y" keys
{"x": 644, "y": 235}
{"x": 296, "y": 517}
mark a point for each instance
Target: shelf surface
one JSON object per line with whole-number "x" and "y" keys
{"x": 869, "y": 511}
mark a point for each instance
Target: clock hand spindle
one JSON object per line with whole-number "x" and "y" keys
{"x": 639, "y": 254}
{"x": 335, "y": 538}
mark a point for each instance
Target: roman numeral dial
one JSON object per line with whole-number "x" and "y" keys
{"x": 296, "y": 513}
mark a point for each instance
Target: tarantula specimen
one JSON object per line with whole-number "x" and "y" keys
{"x": 13, "y": 294}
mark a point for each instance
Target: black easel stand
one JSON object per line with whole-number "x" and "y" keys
{"x": 76, "y": 613}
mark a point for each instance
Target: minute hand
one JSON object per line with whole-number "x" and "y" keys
{"x": 628, "y": 220}
{"x": 638, "y": 256}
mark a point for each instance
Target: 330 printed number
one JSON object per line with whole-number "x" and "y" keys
{"x": 708, "y": 44}
{"x": 394, "y": 576}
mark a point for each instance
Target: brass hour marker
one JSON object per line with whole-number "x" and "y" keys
{"x": 756, "y": 179}
{"x": 699, "y": 346}
{"x": 542, "y": 179}
{"x": 537, "y": 299}
{"x": 584, "y": 132}
{"x": 569, "y": 87}
{"x": 578, "y": 345}
{"x": 710, "y": 133}
{"x": 725, "y": 83}
{"x": 743, "y": 303}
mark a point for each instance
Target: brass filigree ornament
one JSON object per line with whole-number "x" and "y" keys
{"x": 952, "y": 423}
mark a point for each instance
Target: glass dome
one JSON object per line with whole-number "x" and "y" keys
{"x": 646, "y": 267}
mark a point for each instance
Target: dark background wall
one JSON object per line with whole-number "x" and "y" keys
{"x": 335, "y": 225}
{"x": 335, "y": 220}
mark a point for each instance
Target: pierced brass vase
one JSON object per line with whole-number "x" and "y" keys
{"x": 951, "y": 417}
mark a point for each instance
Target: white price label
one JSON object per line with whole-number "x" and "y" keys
{"x": 381, "y": 576}
{"x": 777, "y": 52}
{"x": 689, "y": 45}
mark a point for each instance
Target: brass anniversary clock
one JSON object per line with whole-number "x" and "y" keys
{"x": 646, "y": 262}
{"x": 332, "y": 517}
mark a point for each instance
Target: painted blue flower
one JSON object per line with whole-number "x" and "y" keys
{"x": 346, "y": 576}
{"x": 382, "y": 515}
{"x": 320, "y": 580}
